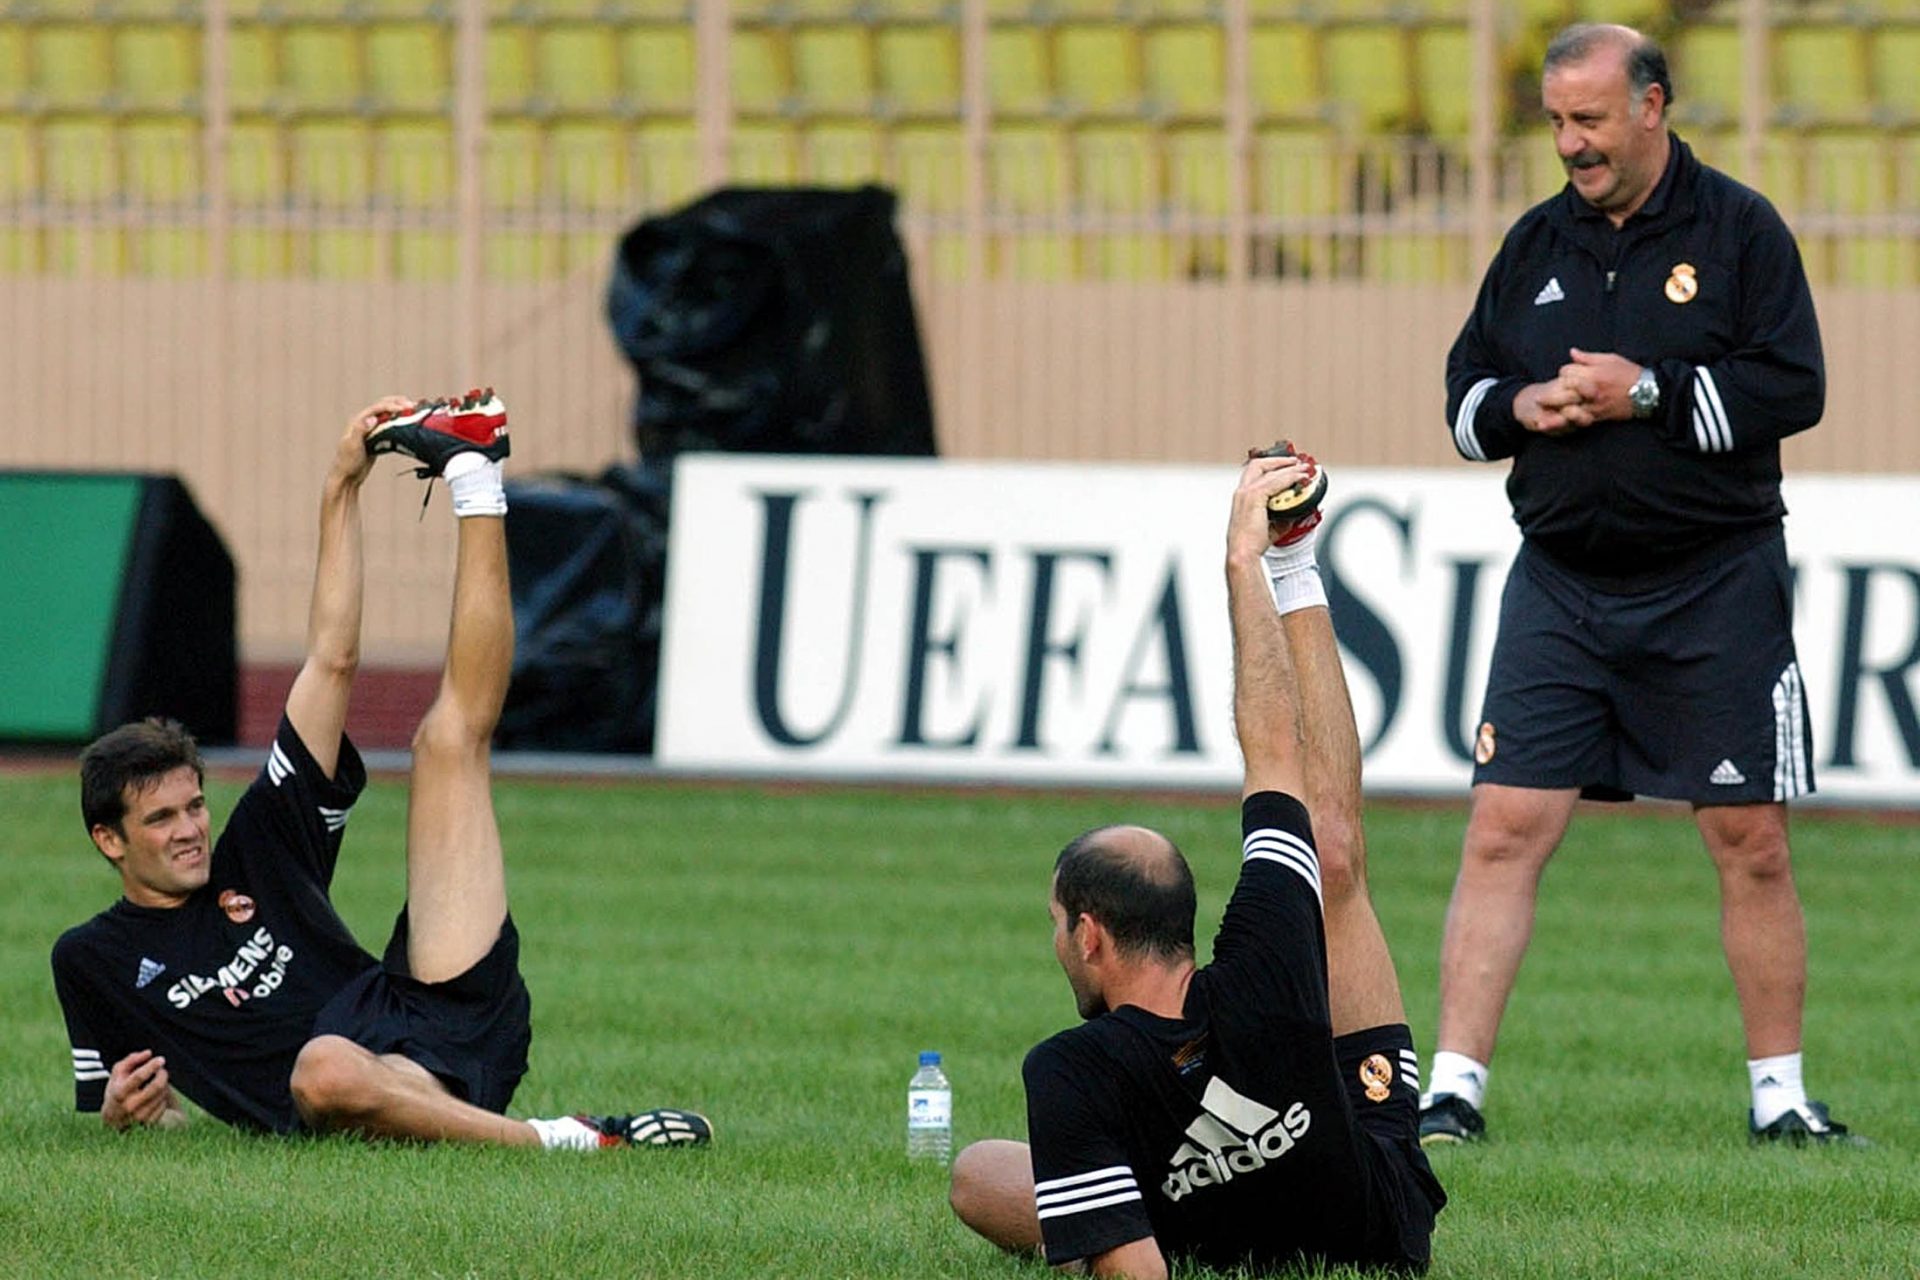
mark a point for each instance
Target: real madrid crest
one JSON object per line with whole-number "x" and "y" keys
{"x": 1681, "y": 283}
{"x": 1376, "y": 1073}
{"x": 1483, "y": 744}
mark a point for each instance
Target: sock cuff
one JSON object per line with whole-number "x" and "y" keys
{"x": 477, "y": 486}
{"x": 1298, "y": 589}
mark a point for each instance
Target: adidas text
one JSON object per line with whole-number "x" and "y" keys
{"x": 1217, "y": 1168}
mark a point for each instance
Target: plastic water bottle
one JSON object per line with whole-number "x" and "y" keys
{"x": 929, "y": 1112}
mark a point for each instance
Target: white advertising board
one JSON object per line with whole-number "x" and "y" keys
{"x": 1066, "y": 623}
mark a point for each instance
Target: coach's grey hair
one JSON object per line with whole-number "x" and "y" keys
{"x": 1646, "y": 60}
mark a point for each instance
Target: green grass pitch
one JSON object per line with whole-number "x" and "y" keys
{"x": 777, "y": 958}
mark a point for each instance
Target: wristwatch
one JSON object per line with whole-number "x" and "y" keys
{"x": 1644, "y": 394}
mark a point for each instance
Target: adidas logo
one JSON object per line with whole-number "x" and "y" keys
{"x": 1551, "y": 293}
{"x": 1726, "y": 775}
{"x": 1233, "y": 1135}
{"x": 149, "y": 970}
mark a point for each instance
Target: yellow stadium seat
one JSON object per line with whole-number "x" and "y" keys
{"x": 1896, "y": 73}
{"x": 1820, "y": 73}
{"x": 919, "y": 69}
{"x": 1852, "y": 173}
{"x": 80, "y": 174}
{"x": 929, "y": 167}
{"x": 832, "y": 69}
{"x": 1030, "y": 187}
{"x": 844, "y": 154}
{"x": 1185, "y": 70}
{"x": 1709, "y": 74}
{"x": 14, "y": 81}
{"x": 1118, "y": 181}
{"x": 1297, "y": 175}
{"x": 1368, "y": 74}
{"x": 759, "y": 70}
{"x": 923, "y": 11}
{"x": 1445, "y": 57}
{"x": 332, "y": 181}
{"x": 257, "y": 187}
{"x": 1284, "y": 71}
{"x": 19, "y": 180}
{"x": 668, "y": 156}
{"x": 409, "y": 67}
{"x": 510, "y": 169}
{"x": 1633, "y": 13}
{"x": 509, "y": 68}
{"x": 657, "y": 63}
{"x": 1198, "y": 169}
{"x": 72, "y": 66}
{"x": 588, "y": 161}
{"x": 579, "y": 68}
{"x": 1017, "y": 79}
{"x": 1098, "y": 67}
{"x": 252, "y": 80}
{"x": 320, "y": 67}
{"x": 156, "y": 67}
{"x": 414, "y": 175}
{"x": 161, "y": 158}
{"x": 765, "y": 153}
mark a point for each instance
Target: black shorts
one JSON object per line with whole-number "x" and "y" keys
{"x": 472, "y": 1032}
{"x": 1376, "y": 1068}
{"x": 1689, "y": 691}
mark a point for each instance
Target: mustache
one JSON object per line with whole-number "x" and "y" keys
{"x": 1585, "y": 160}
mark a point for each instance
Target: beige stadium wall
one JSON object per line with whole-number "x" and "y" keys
{"x": 243, "y": 391}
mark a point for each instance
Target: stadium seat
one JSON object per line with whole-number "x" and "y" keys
{"x": 1017, "y": 79}
{"x": 320, "y": 67}
{"x": 1895, "y": 61}
{"x": 510, "y": 166}
{"x": 72, "y": 66}
{"x": 1820, "y": 73}
{"x": 19, "y": 181}
{"x": 509, "y": 68}
{"x": 1284, "y": 71}
{"x": 14, "y": 81}
{"x": 1295, "y": 177}
{"x": 832, "y": 69}
{"x": 657, "y": 66}
{"x": 1185, "y": 71}
{"x": 759, "y": 70}
{"x": 843, "y": 154}
{"x": 918, "y": 68}
{"x": 1118, "y": 182}
{"x": 409, "y": 67}
{"x": 414, "y": 176}
{"x": 257, "y": 187}
{"x": 331, "y": 178}
{"x": 1368, "y": 76}
{"x": 1854, "y": 173}
{"x": 577, "y": 68}
{"x": 1098, "y": 68}
{"x": 80, "y": 176}
{"x": 765, "y": 153}
{"x": 161, "y": 163}
{"x": 1445, "y": 83}
{"x": 1709, "y": 74}
{"x": 667, "y": 155}
{"x": 156, "y": 67}
{"x": 929, "y": 168}
{"x": 1029, "y": 189}
{"x": 1198, "y": 167}
{"x": 252, "y": 81}
{"x": 588, "y": 163}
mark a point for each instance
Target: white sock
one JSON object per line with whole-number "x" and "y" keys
{"x": 1293, "y": 575}
{"x": 1777, "y": 1088}
{"x": 476, "y": 485}
{"x": 566, "y": 1134}
{"x": 1457, "y": 1074}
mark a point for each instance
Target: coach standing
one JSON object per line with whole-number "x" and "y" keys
{"x": 1639, "y": 347}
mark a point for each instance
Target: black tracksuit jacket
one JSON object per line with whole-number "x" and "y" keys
{"x": 1631, "y": 504}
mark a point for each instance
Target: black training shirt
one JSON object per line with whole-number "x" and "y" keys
{"x": 1224, "y": 1133}
{"x": 225, "y": 986}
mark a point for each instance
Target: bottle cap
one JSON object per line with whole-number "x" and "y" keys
{"x": 928, "y": 1058}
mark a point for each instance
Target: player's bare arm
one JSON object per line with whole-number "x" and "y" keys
{"x": 1265, "y": 713}
{"x": 139, "y": 1093}
{"x": 1136, "y": 1260}
{"x": 317, "y": 704}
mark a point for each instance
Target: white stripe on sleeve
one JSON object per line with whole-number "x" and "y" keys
{"x": 1082, "y": 1192}
{"x": 1710, "y": 427}
{"x": 1465, "y": 439}
{"x": 1290, "y": 851}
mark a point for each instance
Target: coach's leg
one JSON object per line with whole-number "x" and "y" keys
{"x": 338, "y": 1085}
{"x": 1511, "y": 832}
{"x": 992, "y": 1192}
{"x": 1761, "y": 927}
{"x": 456, "y": 883}
{"x": 1362, "y": 988}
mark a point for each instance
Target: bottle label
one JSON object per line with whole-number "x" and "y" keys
{"x": 929, "y": 1108}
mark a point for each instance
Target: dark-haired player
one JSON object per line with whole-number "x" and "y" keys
{"x": 1259, "y": 1110}
{"x": 224, "y": 972}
